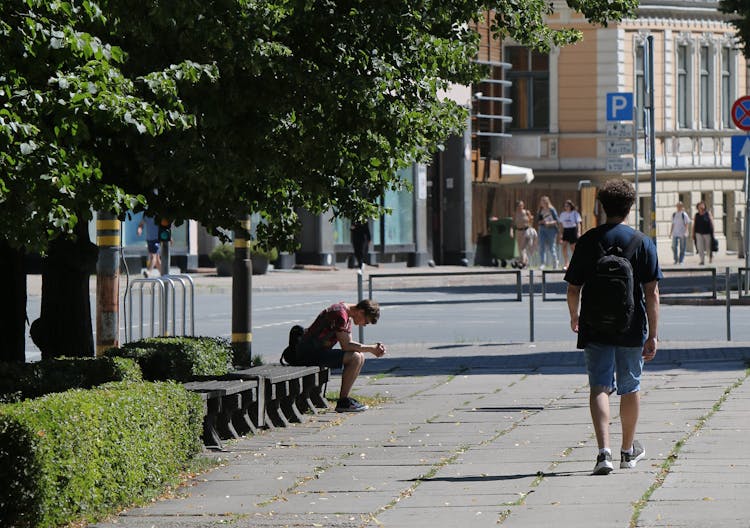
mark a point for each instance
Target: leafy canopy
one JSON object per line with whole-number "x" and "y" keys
{"x": 741, "y": 20}
{"x": 212, "y": 109}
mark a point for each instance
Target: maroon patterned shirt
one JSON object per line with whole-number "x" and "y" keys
{"x": 329, "y": 322}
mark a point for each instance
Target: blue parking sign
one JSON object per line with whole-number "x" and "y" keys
{"x": 740, "y": 151}
{"x": 620, "y": 106}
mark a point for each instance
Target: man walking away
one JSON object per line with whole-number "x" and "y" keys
{"x": 334, "y": 324}
{"x": 679, "y": 233}
{"x": 613, "y": 279}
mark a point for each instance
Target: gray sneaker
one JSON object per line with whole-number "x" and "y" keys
{"x": 350, "y": 405}
{"x": 603, "y": 464}
{"x": 628, "y": 461}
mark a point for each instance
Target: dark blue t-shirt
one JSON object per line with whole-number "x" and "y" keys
{"x": 645, "y": 269}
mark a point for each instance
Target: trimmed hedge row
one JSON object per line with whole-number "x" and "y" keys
{"x": 178, "y": 358}
{"x": 79, "y": 454}
{"x": 19, "y": 381}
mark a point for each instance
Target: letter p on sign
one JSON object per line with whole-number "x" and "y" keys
{"x": 620, "y": 106}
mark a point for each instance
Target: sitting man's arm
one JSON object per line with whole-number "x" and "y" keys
{"x": 349, "y": 345}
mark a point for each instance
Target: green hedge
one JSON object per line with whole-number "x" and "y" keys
{"x": 79, "y": 454}
{"x": 19, "y": 381}
{"x": 178, "y": 358}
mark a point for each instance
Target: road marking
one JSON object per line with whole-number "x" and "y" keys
{"x": 286, "y": 306}
{"x": 284, "y": 323}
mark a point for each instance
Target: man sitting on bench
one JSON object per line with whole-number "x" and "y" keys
{"x": 334, "y": 324}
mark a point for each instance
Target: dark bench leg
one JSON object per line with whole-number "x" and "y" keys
{"x": 289, "y": 401}
{"x": 211, "y": 437}
{"x": 274, "y": 414}
{"x": 242, "y": 418}
{"x": 229, "y": 405}
{"x": 317, "y": 394}
{"x": 304, "y": 401}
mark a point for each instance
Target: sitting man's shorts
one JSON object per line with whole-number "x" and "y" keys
{"x": 310, "y": 356}
{"x": 153, "y": 246}
{"x": 613, "y": 367}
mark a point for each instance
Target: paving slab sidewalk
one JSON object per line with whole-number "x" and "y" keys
{"x": 499, "y": 441}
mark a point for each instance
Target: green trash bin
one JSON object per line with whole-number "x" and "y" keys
{"x": 502, "y": 245}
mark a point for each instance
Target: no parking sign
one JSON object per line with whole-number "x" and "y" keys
{"x": 741, "y": 113}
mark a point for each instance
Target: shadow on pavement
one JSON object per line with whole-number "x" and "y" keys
{"x": 497, "y": 478}
{"x": 546, "y": 362}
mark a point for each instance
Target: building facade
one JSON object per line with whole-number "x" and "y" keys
{"x": 559, "y": 126}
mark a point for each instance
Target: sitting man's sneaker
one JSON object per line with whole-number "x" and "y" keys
{"x": 627, "y": 460}
{"x": 603, "y": 464}
{"x": 350, "y": 405}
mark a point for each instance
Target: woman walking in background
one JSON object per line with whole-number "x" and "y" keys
{"x": 571, "y": 225}
{"x": 548, "y": 224}
{"x": 703, "y": 232}
{"x": 522, "y": 219}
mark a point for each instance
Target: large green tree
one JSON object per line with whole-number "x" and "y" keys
{"x": 741, "y": 20}
{"x": 210, "y": 109}
{"x": 62, "y": 94}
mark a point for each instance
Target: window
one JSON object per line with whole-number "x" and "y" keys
{"x": 640, "y": 83}
{"x": 705, "y": 88}
{"x": 529, "y": 74}
{"x": 682, "y": 86}
{"x": 726, "y": 86}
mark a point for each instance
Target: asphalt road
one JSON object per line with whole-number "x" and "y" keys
{"x": 424, "y": 313}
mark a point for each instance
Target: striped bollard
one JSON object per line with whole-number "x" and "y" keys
{"x": 242, "y": 273}
{"x": 107, "y": 282}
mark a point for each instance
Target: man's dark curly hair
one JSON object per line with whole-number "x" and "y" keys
{"x": 617, "y": 197}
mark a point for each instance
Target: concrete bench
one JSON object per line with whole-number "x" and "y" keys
{"x": 232, "y": 408}
{"x": 289, "y": 391}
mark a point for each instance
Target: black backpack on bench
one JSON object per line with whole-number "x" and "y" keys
{"x": 289, "y": 355}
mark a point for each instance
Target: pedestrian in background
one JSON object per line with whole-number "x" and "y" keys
{"x": 703, "y": 233}
{"x": 153, "y": 264}
{"x": 522, "y": 222}
{"x": 360, "y": 233}
{"x": 618, "y": 319}
{"x": 548, "y": 227}
{"x": 571, "y": 222}
{"x": 679, "y": 233}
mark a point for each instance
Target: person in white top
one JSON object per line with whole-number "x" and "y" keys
{"x": 679, "y": 233}
{"x": 571, "y": 225}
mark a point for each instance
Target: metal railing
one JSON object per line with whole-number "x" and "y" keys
{"x": 698, "y": 300}
{"x": 517, "y": 273}
{"x": 164, "y": 290}
{"x": 664, "y": 290}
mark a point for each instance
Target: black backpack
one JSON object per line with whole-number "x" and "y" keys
{"x": 608, "y": 300}
{"x": 289, "y": 356}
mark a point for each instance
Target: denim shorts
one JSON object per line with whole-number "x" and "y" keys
{"x": 614, "y": 367}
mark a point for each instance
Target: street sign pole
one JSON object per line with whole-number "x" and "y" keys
{"x": 635, "y": 165}
{"x": 652, "y": 137}
{"x": 747, "y": 223}
{"x": 741, "y": 118}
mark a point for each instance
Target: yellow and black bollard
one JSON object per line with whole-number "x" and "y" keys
{"x": 242, "y": 273}
{"x": 107, "y": 282}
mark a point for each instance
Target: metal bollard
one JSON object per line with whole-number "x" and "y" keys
{"x": 729, "y": 305}
{"x": 531, "y": 306}
{"x": 360, "y": 298}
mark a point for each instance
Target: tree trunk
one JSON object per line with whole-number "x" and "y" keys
{"x": 64, "y": 327}
{"x": 13, "y": 305}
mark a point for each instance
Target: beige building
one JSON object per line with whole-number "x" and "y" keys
{"x": 559, "y": 104}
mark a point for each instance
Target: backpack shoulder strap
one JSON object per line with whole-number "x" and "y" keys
{"x": 633, "y": 245}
